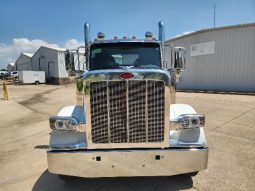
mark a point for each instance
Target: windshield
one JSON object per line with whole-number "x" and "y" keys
{"x": 122, "y": 55}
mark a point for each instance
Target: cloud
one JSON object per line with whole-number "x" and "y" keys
{"x": 73, "y": 44}
{"x": 10, "y": 52}
{"x": 184, "y": 33}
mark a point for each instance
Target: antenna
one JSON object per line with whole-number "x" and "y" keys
{"x": 214, "y": 19}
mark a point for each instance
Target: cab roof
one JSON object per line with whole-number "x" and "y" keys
{"x": 125, "y": 40}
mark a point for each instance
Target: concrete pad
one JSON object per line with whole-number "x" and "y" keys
{"x": 24, "y": 140}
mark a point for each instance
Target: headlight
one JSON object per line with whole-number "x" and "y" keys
{"x": 64, "y": 123}
{"x": 187, "y": 121}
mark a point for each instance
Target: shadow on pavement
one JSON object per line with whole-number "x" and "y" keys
{"x": 50, "y": 182}
{"x": 41, "y": 147}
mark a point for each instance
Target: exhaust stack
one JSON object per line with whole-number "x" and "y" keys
{"x": 87, "y": 33}
{"x": 161, "y": 31}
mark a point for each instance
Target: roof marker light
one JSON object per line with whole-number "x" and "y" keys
{"x": 100, "y": 36}
{"x": 148, "y": 35}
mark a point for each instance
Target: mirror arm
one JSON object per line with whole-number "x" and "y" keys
{"x": 86, "y": 57}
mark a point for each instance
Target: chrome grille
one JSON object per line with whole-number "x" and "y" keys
{"x": 127, "y": 111}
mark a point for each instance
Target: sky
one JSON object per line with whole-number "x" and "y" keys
{"x": 28, "y": 24}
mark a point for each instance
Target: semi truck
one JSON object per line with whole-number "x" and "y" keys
{"x": 126, "y": 121}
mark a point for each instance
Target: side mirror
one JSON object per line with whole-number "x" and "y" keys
{"x": 178, "y": 58}
{"x": 75, "y": 62}
{"x": 69, "y": 63}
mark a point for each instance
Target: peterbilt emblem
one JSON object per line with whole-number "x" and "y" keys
{"x": 126, "y": 75}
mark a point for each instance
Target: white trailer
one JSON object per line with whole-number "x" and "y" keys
{"x": 31, "y": 77}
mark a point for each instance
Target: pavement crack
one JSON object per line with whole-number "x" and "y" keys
{"x": 231, "y": 120}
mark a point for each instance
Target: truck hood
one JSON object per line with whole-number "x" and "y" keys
{"x": 139, "y": 74}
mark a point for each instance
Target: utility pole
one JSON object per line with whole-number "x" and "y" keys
{"x": 214, "y": 19}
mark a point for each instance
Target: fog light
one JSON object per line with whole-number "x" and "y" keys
{"x": 70, "y": 125}
{"x": 195, "y": 121}
{"x": 59, "y": 124}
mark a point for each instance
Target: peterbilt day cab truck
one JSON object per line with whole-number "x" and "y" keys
{"x": 126, "y": 122}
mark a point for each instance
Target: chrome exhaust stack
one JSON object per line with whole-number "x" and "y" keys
{"x": 161, "y": 32}
{"x": 87, "y": 41}
{"x": 87, "y": 33}
{"x": 161, "y": 38}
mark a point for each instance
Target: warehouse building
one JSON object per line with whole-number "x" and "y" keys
{"x": 219, "y": 59}
{"x": 24, "y": 62}
{"x": 56, "y": 62}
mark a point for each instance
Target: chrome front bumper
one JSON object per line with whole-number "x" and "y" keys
{"x": 124, "y": 163}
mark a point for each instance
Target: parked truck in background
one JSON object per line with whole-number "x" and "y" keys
{"x": 126, "y": 122}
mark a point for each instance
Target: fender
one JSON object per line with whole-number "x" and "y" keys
{"x": 71, "y": 139}
{"x": 185, "y": 137}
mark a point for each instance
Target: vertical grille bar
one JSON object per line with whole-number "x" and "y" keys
{"x": 146, "y": 111}
{"x": 108, "y": 114}
{"x": 127, "y": 106}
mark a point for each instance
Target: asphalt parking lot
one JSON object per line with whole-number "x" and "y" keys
{"x": 230, "y": 133}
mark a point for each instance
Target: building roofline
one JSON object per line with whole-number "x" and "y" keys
{"x": 51, "y": 48}
{"x": 30, "y": 55}
{"x": 212, "y": 29}
{"x": 54, "y": 48}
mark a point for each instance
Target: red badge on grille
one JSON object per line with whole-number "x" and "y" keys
{"x": 126, "y": 75}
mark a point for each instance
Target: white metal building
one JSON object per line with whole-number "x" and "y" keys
{"x": 219, "y": 59}
{"x": 53, "y": 62}
{"x": 11, "y": 67}
{"x": 24, "y": 62}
